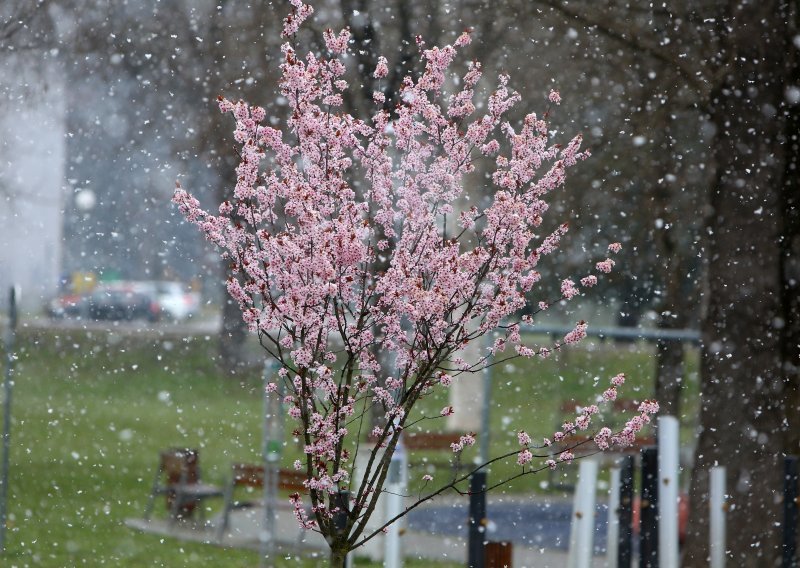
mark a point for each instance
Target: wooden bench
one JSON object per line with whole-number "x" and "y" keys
{"x": 178, "y": 478}
{"x": 420, "y": 443}
{"x": 251, "y": 476}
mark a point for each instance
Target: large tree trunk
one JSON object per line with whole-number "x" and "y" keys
{"x": 790, "y": 252}
{"x": 742, "y": 414}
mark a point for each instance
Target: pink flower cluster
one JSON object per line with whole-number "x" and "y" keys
{"x": 627, "y": 436}
{"x": 463, "y": 442}
{"x": 603, "y": 439}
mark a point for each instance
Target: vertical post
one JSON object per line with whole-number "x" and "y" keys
{"x": 649, "y": 513}
{"x": 396, "y": 488}
{"x": 581, "y": 538}
{"x": 477, "y": 520}
{"x": 790, "y": 495}
{"x": 486, "y": 377}
{"x": 625, "y": 552}
{"x": 612, "y": 539}
{"x": 272, "y": 445}
{"x": 716, "y": 505}
{"x": 668, "y": 465}
{"x": 11, "y": 336}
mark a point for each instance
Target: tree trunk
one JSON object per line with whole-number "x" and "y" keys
{"x": 669, "y": 376}
{"x": 790, "y": 253}
{"x": 741, "y": 411}
{"x": 338, "y": 558}
{"x": 232, "y": 336}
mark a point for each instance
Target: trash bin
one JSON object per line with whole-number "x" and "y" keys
{"x": 498, "y": 554}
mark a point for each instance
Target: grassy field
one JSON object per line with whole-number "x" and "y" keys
{"x": 92, "y": 410}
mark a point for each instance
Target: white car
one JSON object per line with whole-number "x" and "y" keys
{"x": 175, "y": 301}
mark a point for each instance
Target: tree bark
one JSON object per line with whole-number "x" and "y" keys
{"x": 338, "y": 558}
{"x": 741, "y": 411}
{"x": 790, "y": 253}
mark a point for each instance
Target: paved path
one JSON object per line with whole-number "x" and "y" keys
{"x": 543, "y": 523}
{"x": 539, "y": 530}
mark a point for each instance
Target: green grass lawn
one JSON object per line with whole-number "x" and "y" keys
{"x": 92, "y": 410}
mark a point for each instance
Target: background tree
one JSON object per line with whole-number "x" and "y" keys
{"x": 732, "y": 56}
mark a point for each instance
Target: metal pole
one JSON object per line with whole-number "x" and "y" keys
{"x": 716, "y": 505}
{"x": 649, "y": 505}
{"x": 11, "y": 337}
{"x": 486, "y": 379}
{"x": 790, "y": 494}
{"x": 625, "y": 552}
{"x": 477, "y": 520}
{"x": 612, "y": 540}
{"x": 668, "y": 442}
{"x": 272, "y": 442}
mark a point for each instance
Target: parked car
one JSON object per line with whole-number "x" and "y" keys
{"x": 121, "y": 303}
{"x": 67, "y": 306}
{"x": 175, "y": 301}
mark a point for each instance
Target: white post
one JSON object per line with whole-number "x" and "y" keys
{"x": 612, "y": 541}
{"x": 395, "y": 488}
{"x": 581, "y": 538}
{"x": 717, "y": 516}
{"x": 668, "y": 464}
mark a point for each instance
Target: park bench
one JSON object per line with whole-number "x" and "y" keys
{"x": 178, "y": 478}
{"x": 422, "y": 445}
{"x": 251, "y": 477}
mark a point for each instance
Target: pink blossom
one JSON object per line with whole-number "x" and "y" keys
{"x": 555, "y": 97}
{"x": 463, "y": 441}
{"x": 614, "y": 247}
{"x": 602, "y": 438}
{"x": 464, "y": 39}
{"x": 589, "y": 281}
{"x": 551, "y": 464}
{"x": 566, "y": 457}
{"x": 618, "y": 380}
{"x": 568, "y": 289}
{"x": 576, "y": 334}
{"x": 334, "y": 43}
{"x": 610, "y": 394}
{"x": 447, "y": 411}
{"x": 523, "y": 457}
{"x": 382, "y": 69}
{"x": 523, "y": 438}
{"x": 605, "y": 266}
{"x": 427, "y": 477}
{"x": 649, "y": 407}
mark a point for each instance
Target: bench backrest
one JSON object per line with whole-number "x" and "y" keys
{"x": 251, "y": 475}
{"x": 180, "y": 465}
{"x": 430, "y": 440}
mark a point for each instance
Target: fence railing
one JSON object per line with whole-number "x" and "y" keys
{"x": 628, "y": 333}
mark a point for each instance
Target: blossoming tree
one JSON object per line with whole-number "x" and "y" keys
{"x": 325, "y": 201}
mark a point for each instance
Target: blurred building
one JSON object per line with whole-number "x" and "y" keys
{"x": 32, "y": 162}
